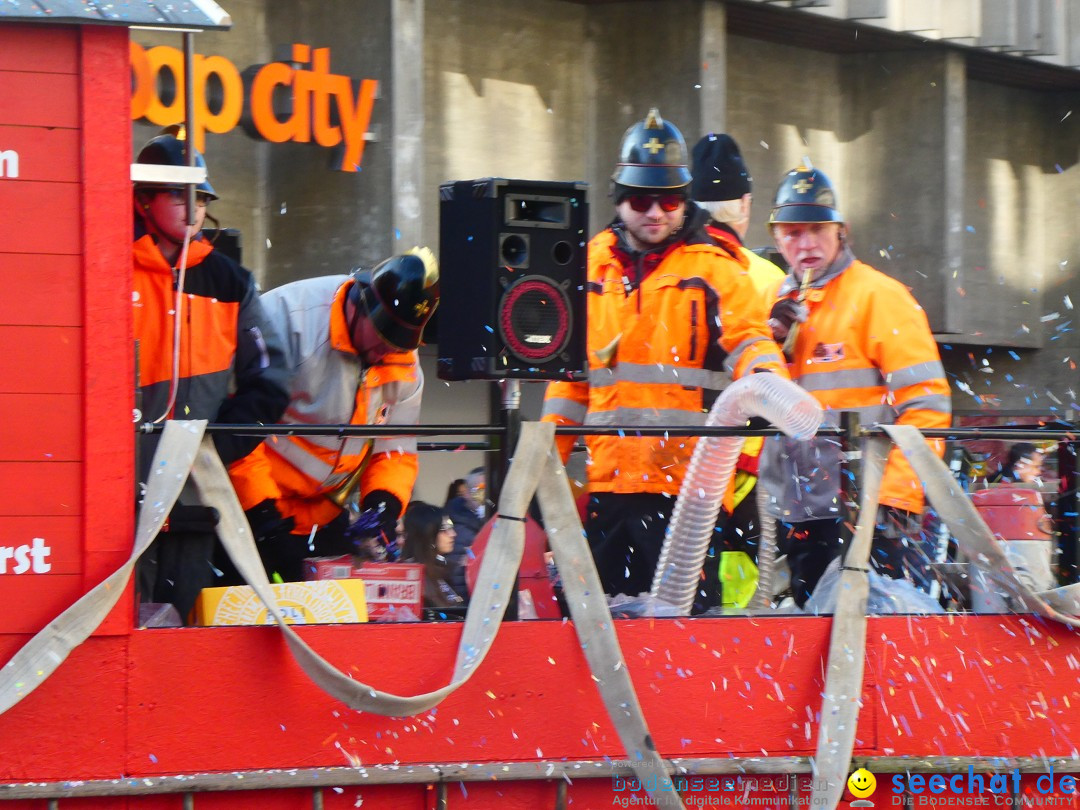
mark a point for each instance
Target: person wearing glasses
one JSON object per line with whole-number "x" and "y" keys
{"x": 351, "y": 344}
{"x": 206, "y": 350}
{"x": 671, "y": 311}
{"x": 428, "y": 540}
{"x": 858, "y": 341}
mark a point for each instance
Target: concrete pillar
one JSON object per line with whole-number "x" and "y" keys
{"x": 407, "y": 105}
{"x": 955, "y": 132}
{"x": 903, "y": 145}
{"x": 713, "y": 91}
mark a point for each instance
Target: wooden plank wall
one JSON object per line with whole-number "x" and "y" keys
{"x": 65, "y": 372}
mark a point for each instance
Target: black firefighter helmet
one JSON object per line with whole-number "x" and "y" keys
{"x": 653, "y": 156}
{"x": 399, "y": 296}
{"x": 805, "y": 195}
{"x": 167, "y": 149}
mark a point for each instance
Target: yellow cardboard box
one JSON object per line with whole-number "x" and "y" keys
{"x": 328, "y": 601}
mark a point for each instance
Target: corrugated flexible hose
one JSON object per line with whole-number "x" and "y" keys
{"x": 693, "y": 520}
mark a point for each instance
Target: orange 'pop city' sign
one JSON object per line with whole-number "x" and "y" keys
{"x": 319, "y": 105}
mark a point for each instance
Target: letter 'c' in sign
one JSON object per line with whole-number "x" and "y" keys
{"x": 276, "y": 102}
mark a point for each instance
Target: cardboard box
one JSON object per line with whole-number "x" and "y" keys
{"x": 318, "y": 568}
{"x": 332, "y": 601}
{"x": 391, "y": 587}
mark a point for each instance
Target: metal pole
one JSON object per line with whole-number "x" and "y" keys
{"x": 189, "y": 117}
{"x": 851, "y": 472}
{"x": 510, "y": 419}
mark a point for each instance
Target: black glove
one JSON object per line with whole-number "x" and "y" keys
{"x": 387, "y": 509}
{"x": 266, "y": 521}
{"x": 192, "y": 519}
{"x": 377, "y": 521}
{"x": 783, "y": 315}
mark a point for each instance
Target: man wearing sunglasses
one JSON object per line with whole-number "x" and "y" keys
{"x": 205, "y": 351}
{"x": 671, "y": 313}
{"x": 351, "y": 344}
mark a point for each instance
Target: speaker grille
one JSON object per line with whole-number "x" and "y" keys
{"x": 534, "y": 319}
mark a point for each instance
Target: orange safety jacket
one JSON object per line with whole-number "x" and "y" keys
{"x": 660, "y": 348}
{"x": 231, "y": 362}
{"x": 866, "y": 347}
{"x": 330, "y": 385}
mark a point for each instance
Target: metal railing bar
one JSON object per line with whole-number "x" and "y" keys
{"x": 317, "y": 778}
{"x": 362, "y": 431}
{"x": 964, "y": 434}
{"x": 342, "y": 430}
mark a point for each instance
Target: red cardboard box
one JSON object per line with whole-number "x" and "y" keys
{"x": 329, "y": 567}
{"x": 390, "y": 588}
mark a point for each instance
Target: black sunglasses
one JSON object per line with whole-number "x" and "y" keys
{"x": 667, "y": 202}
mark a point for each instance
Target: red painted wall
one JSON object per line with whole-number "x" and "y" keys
{"x": 66, "y": 373}
{"x": 219, "y": 699}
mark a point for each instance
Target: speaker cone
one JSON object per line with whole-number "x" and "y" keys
{"x": 534, "y": 319}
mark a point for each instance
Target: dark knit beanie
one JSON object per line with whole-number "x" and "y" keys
{"x": 718, "y": 170}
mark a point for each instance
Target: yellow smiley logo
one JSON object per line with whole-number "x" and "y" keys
{"x": 862, "y": 783}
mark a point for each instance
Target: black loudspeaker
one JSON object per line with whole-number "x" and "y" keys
{"x": 227, "y": 241}
{"x": 512, "y": 264}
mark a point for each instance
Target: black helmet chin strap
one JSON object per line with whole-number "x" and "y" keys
{"x": 356, "y": 299}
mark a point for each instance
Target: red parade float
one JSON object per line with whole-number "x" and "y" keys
{"x": 224, "y": 717}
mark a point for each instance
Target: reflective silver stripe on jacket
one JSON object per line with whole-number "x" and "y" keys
{"x": 325, "y": 381}
{"x": 659, "y": 374}
{"x": 931, "y": 402}
{"x": 732, "y": 360}
{"x": 311, "y": 466}
{"x": 842, "y": 378}
{"x": 912, "y": 375}
{"x": 567, "y": 408}
{"x": 764, "y": 360}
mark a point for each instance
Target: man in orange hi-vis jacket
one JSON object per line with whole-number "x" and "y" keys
{"x": 351, "y": 344}
{"x": 671, "y": 308}
{"x": 858, "y": 341}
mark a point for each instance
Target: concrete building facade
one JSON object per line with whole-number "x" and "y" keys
{"x": 951, "y": 130}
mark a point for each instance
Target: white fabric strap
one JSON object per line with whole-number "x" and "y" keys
{"x": 842, "y": 697}
{"x": 972, "y": 534}
{"x": 184, "y": 448}
{"x": 843, "y": 684}
{"x": 484, "y": 616}
{"x": 42, "y": 654}
{"x": 596, "y": 631}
